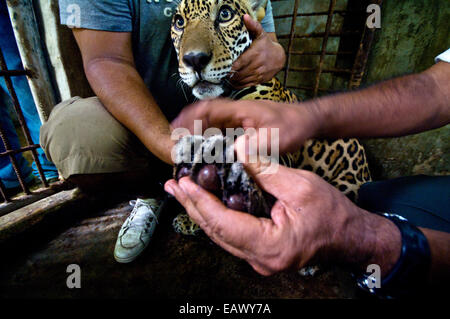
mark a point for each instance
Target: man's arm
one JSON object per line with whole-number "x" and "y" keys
{"x": 109, "y": 66}
{"x": 311, "y": 221}
{"x": 404, "y": 105}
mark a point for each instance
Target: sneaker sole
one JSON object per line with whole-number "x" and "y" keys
{"x": 131, "y": 258}
{"x": 125, "y": 260}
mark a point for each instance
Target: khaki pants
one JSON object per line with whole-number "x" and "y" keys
{"x": 82, "y": 137}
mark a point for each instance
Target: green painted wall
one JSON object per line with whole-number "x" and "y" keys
{"x": 412, "y": 34}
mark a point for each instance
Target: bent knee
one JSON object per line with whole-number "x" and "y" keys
{"x": 82, "y": 137}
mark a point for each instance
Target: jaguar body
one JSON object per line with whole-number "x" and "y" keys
{"x": 208, "y": 36}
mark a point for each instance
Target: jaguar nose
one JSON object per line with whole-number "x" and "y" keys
{"x": 197, "y": 61}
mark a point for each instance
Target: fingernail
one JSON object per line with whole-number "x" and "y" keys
{"x": 169, "y": 190}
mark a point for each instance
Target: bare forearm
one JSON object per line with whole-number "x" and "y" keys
{"x": 124, "y": 94}
{"x": 401, "y": 106}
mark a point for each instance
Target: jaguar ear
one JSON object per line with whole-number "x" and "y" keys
{"x": 259, "y": 8}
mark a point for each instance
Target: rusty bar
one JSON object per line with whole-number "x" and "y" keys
{"x": 324, "y": 46}
{"x": 362, "y": 55}
{"x": 361, "y": 59}
{"x": 3, "y": 192}
{"x": 324, "y": 70}
{"x": 309, "y": 14}
{"x": 291, "y": 40}
{"x": 13, "y": 160}
{"x": 308, "y": 88}
{"x": 320, "y": 34}
{"x": 20, "y": 150}
{"x": 319, "y": 52}
{"x": 14, "y": 72}
{"x": 22, "y": 122}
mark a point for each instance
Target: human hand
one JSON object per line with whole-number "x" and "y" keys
{"x": 295, "y": 123}
{"x": 261, "y": 61}
{"x": 310, "y": 220}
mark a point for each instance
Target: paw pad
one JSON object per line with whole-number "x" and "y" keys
{"x": 210, "y": 163}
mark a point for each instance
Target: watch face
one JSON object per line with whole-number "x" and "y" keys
{"x": 394, "y": 216}
{"x": 367, "y": 283}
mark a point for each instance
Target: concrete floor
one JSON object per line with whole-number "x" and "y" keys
{"x": 173, "y": 266}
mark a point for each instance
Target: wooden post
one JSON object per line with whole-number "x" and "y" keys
{"x": 26, "y": 32}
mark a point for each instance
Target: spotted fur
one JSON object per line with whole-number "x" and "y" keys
{"x": 215, "y": 28}
{"x": 184, "y": 225}
{"x": 205, "y": 27}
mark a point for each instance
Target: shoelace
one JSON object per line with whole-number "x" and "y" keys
{"x": 143, "y": 220}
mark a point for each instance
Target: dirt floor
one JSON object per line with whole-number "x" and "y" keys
{"x": 173, "y": 266}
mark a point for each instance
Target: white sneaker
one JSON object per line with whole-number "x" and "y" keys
{"x": 137, "y": 230}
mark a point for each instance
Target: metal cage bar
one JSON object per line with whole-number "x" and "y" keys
{"x": 291, "y": 41}
{"x": 362, "y": 55}
{"x": 358, "y": 53}
{"x": 3, "y": 191}
{"x": 29, "y": 43}
{"x": 14, "y": 165}
{"x": 324, "y": 46}
{"x": 319, "y": 35}
{"x": 310, "y": 14}
{"x": 6, "y": 74}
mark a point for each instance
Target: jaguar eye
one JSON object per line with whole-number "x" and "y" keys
{"x": 225, "y": 14}
{"x": 179, "y": 22}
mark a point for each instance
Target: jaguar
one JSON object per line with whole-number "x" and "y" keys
{"x": 208, "y": 36}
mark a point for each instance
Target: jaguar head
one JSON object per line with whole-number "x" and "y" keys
{"x": 208, "y": 36}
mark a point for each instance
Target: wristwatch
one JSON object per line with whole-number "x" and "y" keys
{"x": 409, "y": 274}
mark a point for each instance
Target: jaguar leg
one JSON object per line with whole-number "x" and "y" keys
{"x": 183, "y": 224}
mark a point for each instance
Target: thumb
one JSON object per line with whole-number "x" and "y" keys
{"x": 274, "y": 178}
{"x": 254, "y": 27}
